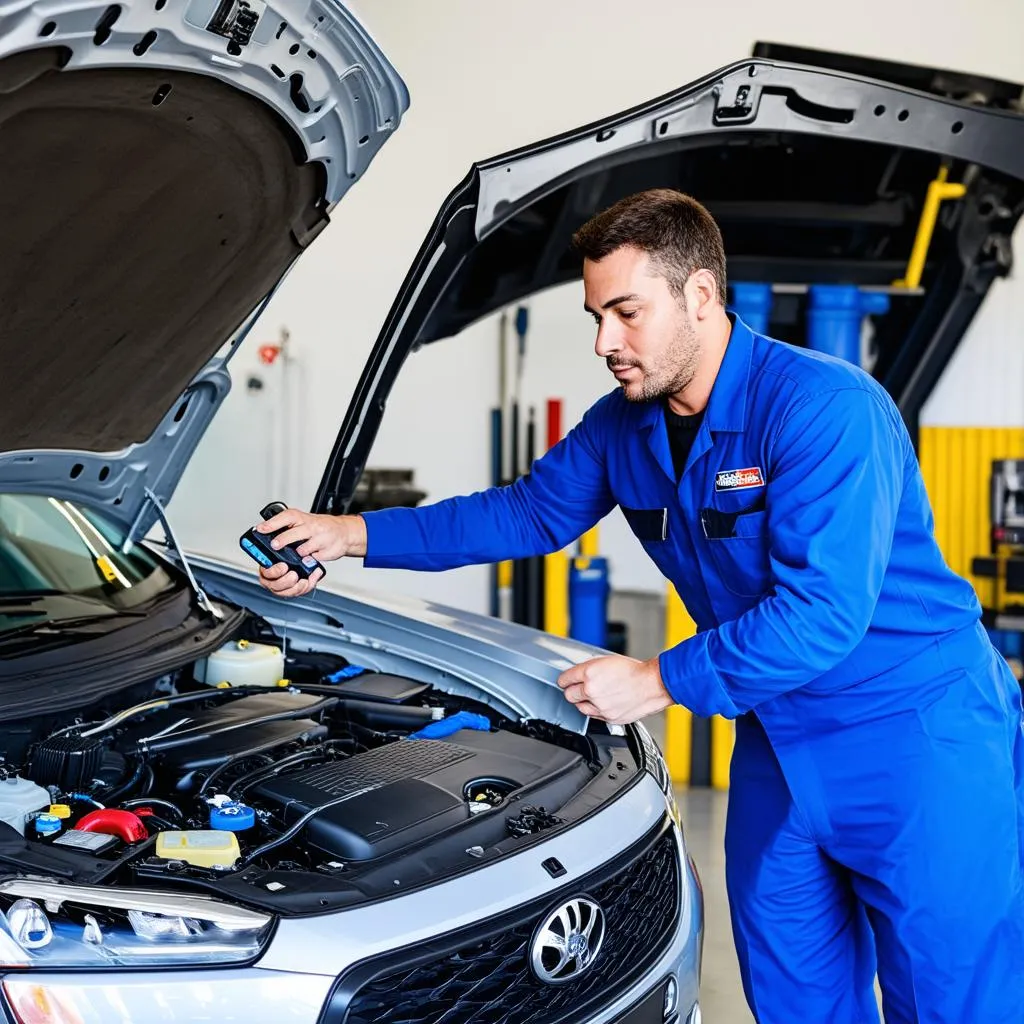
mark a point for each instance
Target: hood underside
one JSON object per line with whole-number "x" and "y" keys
{"x": 162, "y": 166}
{"x": 145, "y": 214}
{"x": 816, "y": 174}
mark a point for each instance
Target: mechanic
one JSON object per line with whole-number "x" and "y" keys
{"x": 876, "y": 808}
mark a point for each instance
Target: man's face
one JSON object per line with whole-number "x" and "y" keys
{"x": 644, "y": 332}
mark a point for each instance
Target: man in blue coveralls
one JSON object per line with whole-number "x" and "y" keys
{"x": 877, "y": 787}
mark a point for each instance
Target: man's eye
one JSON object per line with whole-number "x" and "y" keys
{"x": 628, "y": 314}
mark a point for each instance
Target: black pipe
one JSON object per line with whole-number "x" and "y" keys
{"x": 387, "y": 716}
{"x": 153, "y": 801}
{"x": 115, "y": 794}
{"x": 234, "y": 759}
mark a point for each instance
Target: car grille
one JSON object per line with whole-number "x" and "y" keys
{"x": 485, "y": 975}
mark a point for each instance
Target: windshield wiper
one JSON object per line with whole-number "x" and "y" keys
{"x": 63, "y": 625}
{"x": 25, "y": 596}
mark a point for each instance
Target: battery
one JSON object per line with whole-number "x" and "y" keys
{"x": 92, "y": 842}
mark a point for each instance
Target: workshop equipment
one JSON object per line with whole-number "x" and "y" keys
{"x": 835, "y": 315}
{"x": 527, "y": 573}
{"x": 752, "y": 303}
{"x": 556, "y": 564}
{"x": 588, "y": 600}
{"x": 501, "y": 572}
{"x": 1003, "y": 614}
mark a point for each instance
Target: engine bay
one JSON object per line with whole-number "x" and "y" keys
{"x": 299, "y": 783}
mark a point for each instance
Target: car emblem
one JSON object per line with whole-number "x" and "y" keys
{"x": 567, "y": 941}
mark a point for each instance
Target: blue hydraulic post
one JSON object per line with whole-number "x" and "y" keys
{"x": 834, "y": 316}
{"x": 752, "y": 303}
{"x": 588, "y": 600}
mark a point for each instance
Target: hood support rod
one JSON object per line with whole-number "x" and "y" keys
{"x": 161, "y": 513}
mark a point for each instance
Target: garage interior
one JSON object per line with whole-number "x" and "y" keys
{"x": 886, "y": 230}
{"x": 484, "y": 81}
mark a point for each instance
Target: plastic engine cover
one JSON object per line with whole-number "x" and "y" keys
{"x": 400, "y": 794}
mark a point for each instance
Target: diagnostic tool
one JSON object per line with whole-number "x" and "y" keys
{"x": 257, "y": 547}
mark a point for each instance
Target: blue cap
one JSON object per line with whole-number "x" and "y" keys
{"x": 348, "y": 672}
{"x": 232, "y": 817}
{"x": 47, "y": 824}
{"x": 447, "y": 726}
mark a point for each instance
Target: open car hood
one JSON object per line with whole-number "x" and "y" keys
{"x": 816, "y": 166}
{"x": 162, "y": 166}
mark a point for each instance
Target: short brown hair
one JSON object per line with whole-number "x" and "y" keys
{"x": 676, "y": 232}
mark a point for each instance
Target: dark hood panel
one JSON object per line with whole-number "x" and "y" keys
{"x": 145, "y": 213}
{"x": 815, "y": 174}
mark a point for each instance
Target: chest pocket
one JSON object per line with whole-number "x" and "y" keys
{"x": 741, "y": 560}
{"x": 647, "y": 524}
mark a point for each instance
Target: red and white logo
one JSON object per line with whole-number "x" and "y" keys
{"x": 739, "y": 479}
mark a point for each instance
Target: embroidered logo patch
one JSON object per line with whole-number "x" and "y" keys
{"x": 739, "y": 479}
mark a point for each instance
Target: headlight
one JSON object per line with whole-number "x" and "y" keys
{"x": 653, "y": 762}
{"x": 48, "y": 925}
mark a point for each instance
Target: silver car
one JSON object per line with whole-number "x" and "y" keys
{"x": 216, "y": 805}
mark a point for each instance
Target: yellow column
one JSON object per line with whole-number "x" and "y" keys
{"x": 556, "y": 593}
{"x": 589, "y": 543}
{"x": 678, "y": 720}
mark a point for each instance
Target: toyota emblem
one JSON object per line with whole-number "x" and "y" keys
{"x": 567, "y": 941}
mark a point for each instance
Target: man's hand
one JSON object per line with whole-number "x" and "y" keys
{"x": 323, "y": 537}
{"x": 615, "y": 689}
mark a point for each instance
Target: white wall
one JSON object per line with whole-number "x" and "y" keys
{"x": 485, "y": 78}
{"x": 983, "y": 385}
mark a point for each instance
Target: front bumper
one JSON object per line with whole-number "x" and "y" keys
{"x": 296, "y": 975}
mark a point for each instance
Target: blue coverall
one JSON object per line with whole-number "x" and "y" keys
{"x": 876, "y": 803}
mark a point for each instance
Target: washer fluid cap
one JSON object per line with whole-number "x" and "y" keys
{"x": 232, "y": 817}
{"x": 47, "y": 824}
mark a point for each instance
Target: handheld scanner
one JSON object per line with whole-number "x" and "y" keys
{"x": 257, "y": 547}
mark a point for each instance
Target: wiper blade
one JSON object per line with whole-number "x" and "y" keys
{"x": 65, "y": 625}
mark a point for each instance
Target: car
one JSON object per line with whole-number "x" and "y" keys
{"x": 217, "y": 804}
{"x": 347, "y": 807}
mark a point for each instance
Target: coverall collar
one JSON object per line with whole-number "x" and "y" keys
{"x": 727, "y": 406}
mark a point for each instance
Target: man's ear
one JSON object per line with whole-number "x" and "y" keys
{"x": 702, "y": 293}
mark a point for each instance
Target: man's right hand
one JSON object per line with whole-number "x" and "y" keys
{"x": 324, "y": 537}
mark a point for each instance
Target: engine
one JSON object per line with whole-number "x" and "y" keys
{"x": 334, "y": 772}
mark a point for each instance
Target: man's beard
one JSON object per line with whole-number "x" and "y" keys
{"x": 672, "y": 372}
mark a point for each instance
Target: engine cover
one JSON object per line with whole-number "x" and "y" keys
{"x": 407, "y": 791}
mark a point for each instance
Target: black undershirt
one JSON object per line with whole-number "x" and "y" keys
{"x": 682, "y": 432}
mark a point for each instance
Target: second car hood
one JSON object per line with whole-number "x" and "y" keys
{"x": 161, "y": 169}
{"x": 817, "y": 168}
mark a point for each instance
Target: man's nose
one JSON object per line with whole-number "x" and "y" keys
{"x": 609, "y": 340}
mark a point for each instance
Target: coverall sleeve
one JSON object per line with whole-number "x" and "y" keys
{"x": 834, "y": 487}
{"x": 565, "y": 493}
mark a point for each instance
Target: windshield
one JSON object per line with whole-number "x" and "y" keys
{"x": 58, "y": 560}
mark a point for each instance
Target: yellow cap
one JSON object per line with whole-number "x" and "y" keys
{"x": 223, "y": 685}
{"x": 284, "y": 682}
{"x": 60, "y": 810}
{"x": 242, "y": 644}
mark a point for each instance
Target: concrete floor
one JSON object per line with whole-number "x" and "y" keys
{"x": 721, "y": 996}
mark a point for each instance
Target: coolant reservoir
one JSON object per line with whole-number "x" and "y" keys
{"x": 18, "y": 799}
{"x": 242, "y": 663}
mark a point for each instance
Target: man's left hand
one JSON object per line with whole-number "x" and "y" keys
{"x": 615, "y": 689}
